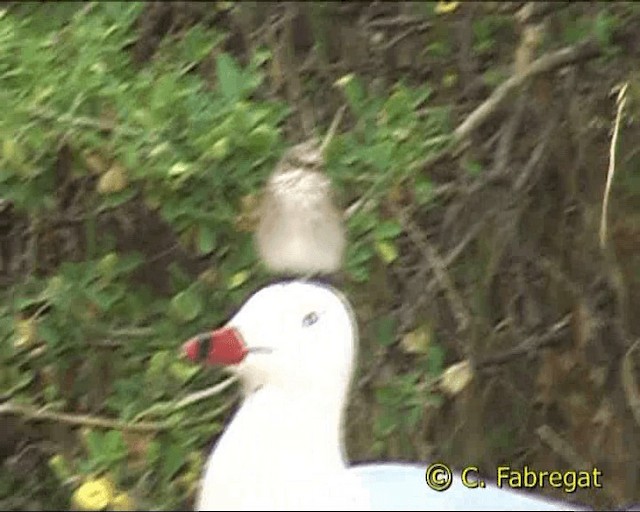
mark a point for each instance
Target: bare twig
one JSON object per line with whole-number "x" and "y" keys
{"x": 81, "y": 122}
{"x": 561, "y": 447}
{"x": 529, "y": 345}
{"x": 332, "y": 129}
{"x": 366, "y": 199}
{"x": 621, "y": 100}
{"x": 41, "y": 414}
{"x": 532, "y": 12}
{"x": 438, "y": 266}
{"x": 544, "y": 64}
{"x": 403, "y": 35}
{"x": 35, "y": 414}
{"x": 538, "y": 155}
{"x": 206, "y": 393}
{"x": 400, "y": 21}
{"x": 455, "y": 253}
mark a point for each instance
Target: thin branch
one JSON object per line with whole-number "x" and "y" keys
{"x": 544, "y": 64}
{"x": 561, "y": 446}
{"x": 332, "y": 129}
{"x": 533, "y": 12}
{"x": 622, "y": 99}
{"x": 206, "y": 393}
{"x": 439, "y": 269}
{"x": 82, "y": 122}
{"x": 41, "y": 414}
{"x": 529, "y": 345}
{"x": 35, "y": 414}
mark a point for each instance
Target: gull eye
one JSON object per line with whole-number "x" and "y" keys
{"x": 310, "y": 319}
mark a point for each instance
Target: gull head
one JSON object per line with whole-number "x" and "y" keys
{"x": 298, "y": 336}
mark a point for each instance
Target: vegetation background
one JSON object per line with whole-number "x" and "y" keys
{"x": 496, "y": 326}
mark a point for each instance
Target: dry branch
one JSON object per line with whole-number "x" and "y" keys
{"x": 31, "y": 413}
{"x": 530, "y": 345}
{"x": 439, "y": 269}
{"x": 621, "y": 100}
{"x": 544, "y": 64}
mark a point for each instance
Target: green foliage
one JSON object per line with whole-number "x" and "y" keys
{"x": 104, "y": 450}
{"x": 601, "y": 27}
{"x": 385, "y": 152}
{"x": 189, "y": 153}
{"x": 385, "y": 328}
{"x": 84, "y": 336}
{"x": 403, "y": 400}
{"x": 486, "y": 30}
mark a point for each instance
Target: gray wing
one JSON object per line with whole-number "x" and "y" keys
{"x": 403, "y": 487}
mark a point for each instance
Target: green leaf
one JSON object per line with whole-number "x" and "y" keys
{"x": 603, "y": 28}
{"x": 423, "y": 191}
{"x": 261, "y": 139}
{"x": 385, "y": 329}
{"x": 399, "y": 104}
{"x": 197, "y": 44}
{"x": 387, "y": 395}
{"x": 377, "y": 448}
{"x": 107, "y": 264}
{"x": 386, "y": 424}
{"x": 353, "y": 91}
{"x": 359, "y": 254}
{"x": 363, "y": 222}
{"x": 359, "y": 274}
{"x": 114, "y": 445}
{"x": 260, "y": 57}
{"x": 94, "y": 444}
{"x": 163, "y": 89}
{"x": 115, "y": 199}
{"x": 229, "y": 77}
{"x": 179, "y": 169}
{"x": 473, "y": 167}
{"x": 154, "y": 452}
{"x": 413, "y": 416}
{"x": 183, "y": 372}
{"x": 206, "y": 240}
{"x": 129, "y": 263}
{"x": 25, "y": 302}
{"x": 435, "y": 359}
{"x": 379, "y": 155}
{"x": 50, "y": 334}
{"x": 238, "y": 279}
{"x": 158, "y": 363}
{"x": 173, "y": 459}
{"x": 388, "y": 229}
{"x": 187, "y": 305}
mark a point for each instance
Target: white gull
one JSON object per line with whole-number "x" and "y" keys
{"x": 293, "y": 345}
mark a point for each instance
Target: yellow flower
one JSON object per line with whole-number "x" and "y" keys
{"x": 122, "y": 502}
{"x": 93, "y": 495}
{"x": 446, "y": 7}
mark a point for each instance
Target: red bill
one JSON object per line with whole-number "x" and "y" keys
{"x": 220, "y": 347}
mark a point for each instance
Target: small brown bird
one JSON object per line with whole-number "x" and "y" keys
{"x": 300, "y": 230}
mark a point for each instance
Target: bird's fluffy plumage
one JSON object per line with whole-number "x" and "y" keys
{"x": 300, "y": 229}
